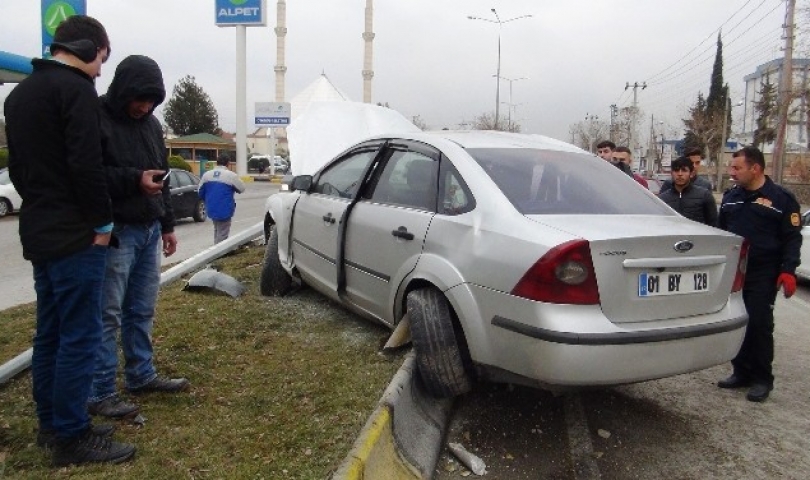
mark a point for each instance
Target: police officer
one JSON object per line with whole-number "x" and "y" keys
{"x": 767, "y": 215}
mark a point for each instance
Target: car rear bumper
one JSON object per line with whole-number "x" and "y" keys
{"x": 575, "y": 345}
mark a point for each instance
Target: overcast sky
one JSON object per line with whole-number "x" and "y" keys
{"x": 432, "y": 61}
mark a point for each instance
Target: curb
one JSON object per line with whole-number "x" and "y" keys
{"x": 402, "y": 439}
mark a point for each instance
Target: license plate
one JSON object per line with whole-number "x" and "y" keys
{"x": 672, "y": 283}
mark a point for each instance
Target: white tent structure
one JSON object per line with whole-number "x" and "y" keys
{"x": 321, "y": 90}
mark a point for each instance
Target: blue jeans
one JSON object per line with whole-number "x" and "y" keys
{"x": 68, "y": 336}
{"x": 131, "y": 287}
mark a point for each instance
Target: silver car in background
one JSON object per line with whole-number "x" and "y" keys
{"x": 513, "y": 258}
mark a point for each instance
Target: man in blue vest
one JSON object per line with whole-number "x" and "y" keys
{"x": 217, "y": 188}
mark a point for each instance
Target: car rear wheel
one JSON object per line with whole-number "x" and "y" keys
{"x": 275, "y": 281}
{"x": 439, "y": 353}
{"x": 5, "y": 207}
{"x": 199, "y": 212}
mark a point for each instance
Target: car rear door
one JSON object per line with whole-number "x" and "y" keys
{"x": 386, "y": 229}
{"x": 317, "y": 217}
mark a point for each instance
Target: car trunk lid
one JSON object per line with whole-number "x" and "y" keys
{"x": 655, "y": 267}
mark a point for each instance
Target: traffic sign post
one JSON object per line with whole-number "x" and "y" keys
{"x": 272, "y": 113}
{"x": 55, "y": 12}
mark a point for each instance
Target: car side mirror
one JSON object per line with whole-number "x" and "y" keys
{"x": 301, "y": 182}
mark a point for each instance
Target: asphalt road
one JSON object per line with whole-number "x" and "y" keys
{"x": 16, "y": 276}
{"x": 682, "y": 427}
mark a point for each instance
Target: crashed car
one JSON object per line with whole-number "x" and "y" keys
{"x": 510, "y": 257}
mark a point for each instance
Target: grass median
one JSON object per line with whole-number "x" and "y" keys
{"x": 280, "y": 386}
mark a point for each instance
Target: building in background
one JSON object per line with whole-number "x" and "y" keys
{"x": 797, "y": 128}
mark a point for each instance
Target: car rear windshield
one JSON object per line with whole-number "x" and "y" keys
{"x": 541, "y": 182}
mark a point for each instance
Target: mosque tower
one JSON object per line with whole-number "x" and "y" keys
{"x": 281, "y": 34}
{"x": 368, "y": 57}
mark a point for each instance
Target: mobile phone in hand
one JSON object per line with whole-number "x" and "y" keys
{"x": 161, "y": 178}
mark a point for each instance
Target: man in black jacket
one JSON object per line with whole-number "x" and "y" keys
{"x": 135, "y": 160}
{"x": 52, "y": 124}
{"x": 767, "y": 215}
{"x": 693, "y": 202}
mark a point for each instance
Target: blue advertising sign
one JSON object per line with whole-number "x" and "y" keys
{"x": 240, "y": 12}
{"x": 53, "y": 13}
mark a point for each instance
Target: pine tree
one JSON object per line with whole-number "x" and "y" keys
{"x": 190, "y": 110}
{"x": 698, "y": 125}
{"x": 716, "y": 103}
{"x": 767, "y": 111}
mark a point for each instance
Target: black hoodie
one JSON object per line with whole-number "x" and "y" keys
{"x": 131, "y": 146}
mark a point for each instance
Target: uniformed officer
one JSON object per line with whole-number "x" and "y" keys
{"x": 767, "y": 215}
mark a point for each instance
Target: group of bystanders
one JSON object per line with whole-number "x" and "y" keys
{"x": 765, "y": 214}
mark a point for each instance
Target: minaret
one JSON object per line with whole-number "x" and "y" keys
{"x": 368, "y": 57}
{"x": 281, "y": 34}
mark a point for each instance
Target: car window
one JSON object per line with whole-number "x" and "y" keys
{"x": 342, "y": 179}
{"x": 454, "y": 194}
{"x": 181, "y": 179}
{"x": 4, "y": 177}
{"x": 553, "y": 182}
{"x": 408, "y": 179}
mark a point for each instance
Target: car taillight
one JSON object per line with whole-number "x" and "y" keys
{"x": 739, "y": 277}
{"x": 563, "y": 275}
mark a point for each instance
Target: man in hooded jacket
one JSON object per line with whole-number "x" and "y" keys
{"x": 135, "y": 161}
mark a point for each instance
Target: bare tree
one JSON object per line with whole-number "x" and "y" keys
{"x": 587, "y": 133}
{"x": 486, "y": 121}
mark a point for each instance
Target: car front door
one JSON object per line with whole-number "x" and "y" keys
{"x": 317, "y": 217}
{"x": 387, "y": 227}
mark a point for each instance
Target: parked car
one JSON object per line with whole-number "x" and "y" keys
{"x": 262, "y": 164}
{"x": 513, "y": 258}
{"x": 10, "y": 200}
{"x": 803, "y": 270}
{"x": 186, "y": 202}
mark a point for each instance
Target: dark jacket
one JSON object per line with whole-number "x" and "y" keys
{"x": 695, "y": 203}
{"x": 769, "y": 218}
{"x": 698, "y": 181}
{"x": 52, "y": 123}
{"x": 132, "y": 146}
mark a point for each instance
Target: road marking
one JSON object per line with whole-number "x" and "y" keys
{"x": 579, "y": 440}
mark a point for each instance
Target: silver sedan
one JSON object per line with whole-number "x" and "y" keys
{"x": 511, "y": 258}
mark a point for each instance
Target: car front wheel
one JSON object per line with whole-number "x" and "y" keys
{"x": 275, "y": 281}
{"x": 199, "y": 212}
{"x": 5, "y": 207}
{"x": 439, "y": 353}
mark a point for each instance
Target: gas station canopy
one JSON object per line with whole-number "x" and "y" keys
{"x": 13, "y": 68}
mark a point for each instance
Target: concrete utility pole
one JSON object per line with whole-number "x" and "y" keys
{"x": 785, "y": 95}
{"x": 368, "y": 55}
{"x": 281, "y": 34}
{"x": 632, "y": 122}
{"x": 614, "y": 112}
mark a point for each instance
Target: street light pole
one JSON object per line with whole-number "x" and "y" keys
{"x": 511, "y": 105}
{"x": 498, "y": 69}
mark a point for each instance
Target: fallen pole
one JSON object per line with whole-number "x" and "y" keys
{"x": 23, "y": 361}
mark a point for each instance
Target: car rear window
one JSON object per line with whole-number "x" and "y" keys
{"x": 540, "y": 182}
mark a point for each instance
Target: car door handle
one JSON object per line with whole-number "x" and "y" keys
{"x": 328, "y": 218}
{"x": 403, "y": 233}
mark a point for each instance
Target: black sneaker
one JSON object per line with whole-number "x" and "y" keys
{"x": 47, "y": 438}
{"x": 162, "y": 384}
{"x": 90, "y": 448}
{"x": 112, "y": 407}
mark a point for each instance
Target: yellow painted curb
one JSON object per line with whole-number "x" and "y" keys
{"x": 374, "y": 455}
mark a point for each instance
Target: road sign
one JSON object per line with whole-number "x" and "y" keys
{"x": 272, "y": 113}
{"x": 240, "y": 12}
{"x": 55, "y": 12}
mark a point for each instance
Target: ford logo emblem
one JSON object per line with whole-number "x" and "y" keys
{"x": 683, "y": 246}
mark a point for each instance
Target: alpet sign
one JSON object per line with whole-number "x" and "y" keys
{"x": 240, "y": 12}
